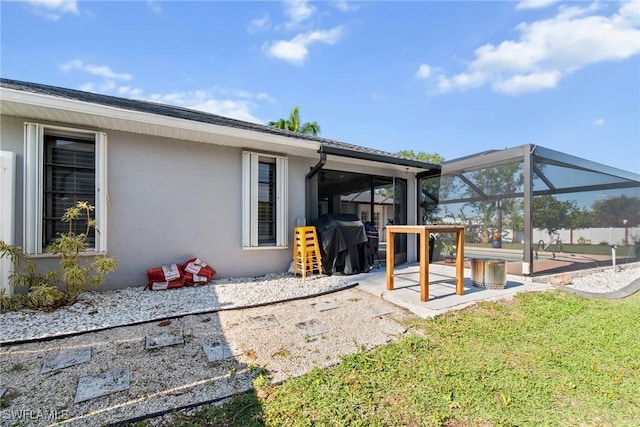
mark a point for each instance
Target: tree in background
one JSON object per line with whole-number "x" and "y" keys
{"x": 552, "y": 214}
{"x": 613, "y": 211}
{"x": 293, "y": 124}
{"x": 431, "y": 188}
{"x": 495, "y": 182}
{"x": 423, "y": 156}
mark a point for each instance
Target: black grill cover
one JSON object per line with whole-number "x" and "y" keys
{"x": 343, "y": 241}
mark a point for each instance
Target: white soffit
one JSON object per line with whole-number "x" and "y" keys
{"x": 347, "y": 163}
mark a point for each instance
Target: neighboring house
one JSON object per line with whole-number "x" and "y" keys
{"x": 171, "y": 183}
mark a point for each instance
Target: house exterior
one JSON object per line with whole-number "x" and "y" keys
{"x": 170, "y": 183}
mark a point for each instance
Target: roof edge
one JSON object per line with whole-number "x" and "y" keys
{"x": 375, "y": 157}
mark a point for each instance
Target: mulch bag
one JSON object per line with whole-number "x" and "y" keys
{"x": 196, "y": 272}
{"x": 165, "y": 277}
{"x": 193, "y": 272}
{"x": 161, "y": 286}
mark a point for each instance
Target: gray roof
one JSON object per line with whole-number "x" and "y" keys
{"x": 327, "y": 145}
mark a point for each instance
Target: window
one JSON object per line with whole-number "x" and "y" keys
{"x": 69, "y": 176}
{"x": 62, "y": 166}
{"x": 264, "y": 200}
{"x": 267, "y": 208}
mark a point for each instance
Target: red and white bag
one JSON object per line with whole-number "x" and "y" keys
{"x": 161, "y": 286}
{"x": 167, "y": 273}
{"x": 197, "y": 272}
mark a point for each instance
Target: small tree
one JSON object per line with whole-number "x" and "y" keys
{"x": 75, "y": 275}
{"x": 552, "y": 214}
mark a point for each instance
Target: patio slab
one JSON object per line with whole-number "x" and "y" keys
{"x": 102, "y": 384}
{"x": 442, "y": 290}
{"x": 65, "y": 359}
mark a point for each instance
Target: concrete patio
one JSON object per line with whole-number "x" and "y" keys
{"x": 442, "y": 295}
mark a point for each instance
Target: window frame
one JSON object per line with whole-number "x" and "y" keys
{"x": 250, "y": 191}
{"x": 34, "y": 157}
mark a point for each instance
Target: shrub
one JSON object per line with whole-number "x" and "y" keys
{"x": 75, "y": 275}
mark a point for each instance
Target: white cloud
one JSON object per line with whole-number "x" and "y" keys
{"x": 129, "y": 92}
{"x": 54, "y": 9}
{"x": 548, "y": 50}
{"x": 424, "y": 71}
{"x": 460, "y": 81}
{"x": 210, "y": 101}
{"x": 108, "y": 79}
{"x": 97, "y": 70}
{"x": 598, "y": 122}
{"x": 296, "y": 50}
{"x": 236, "y": 104}
{"x": 261, "y": 96}
{"x": 154, "y": 6}
{"x": 345, "y": 6}
{"x": 259, "y": 24}
{"x": 535, "y": 4}
{"x": 526, "y": 83}
{"x": 298, "y": 11}
{"x": 88, "y": 87}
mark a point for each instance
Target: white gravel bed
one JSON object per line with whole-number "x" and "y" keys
{"x": 172, "y": 377}
{"x": 607, "y": 280}
{"x": 99, "y": 310}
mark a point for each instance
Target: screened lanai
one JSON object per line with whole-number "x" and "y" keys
{"x": 547, "y": 209}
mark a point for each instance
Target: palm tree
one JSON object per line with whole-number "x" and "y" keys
{"x": 293, "y": 124}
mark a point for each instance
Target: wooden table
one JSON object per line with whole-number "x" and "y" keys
{"x": 424, "y": 231}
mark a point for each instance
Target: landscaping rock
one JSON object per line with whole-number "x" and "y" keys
{"x": 563, "y": 279}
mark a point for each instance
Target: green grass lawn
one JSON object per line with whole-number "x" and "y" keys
{"x": 543, "y": 359}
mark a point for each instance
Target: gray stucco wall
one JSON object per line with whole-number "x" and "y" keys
{"x": 171, "y": 200}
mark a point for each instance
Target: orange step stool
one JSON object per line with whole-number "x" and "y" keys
{"x": 306, "y": 251}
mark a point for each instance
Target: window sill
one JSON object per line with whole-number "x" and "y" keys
{"x": 47, "y": 255}
{"x": 263, "y": 248}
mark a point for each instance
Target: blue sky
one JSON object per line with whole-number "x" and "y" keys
{"x": 453, "y": 77}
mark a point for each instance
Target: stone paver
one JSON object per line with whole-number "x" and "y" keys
{"x": 325, "y": 306}
{"x": 262, "y": 322}
{"x": 102, "y": 384}
{"x": 217, "y": 351}
{"x": 378, "y": 310}
{"x": 163, "y": 339}
{"x": 311, "y": 328}
{"x": 65, "y": 359}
